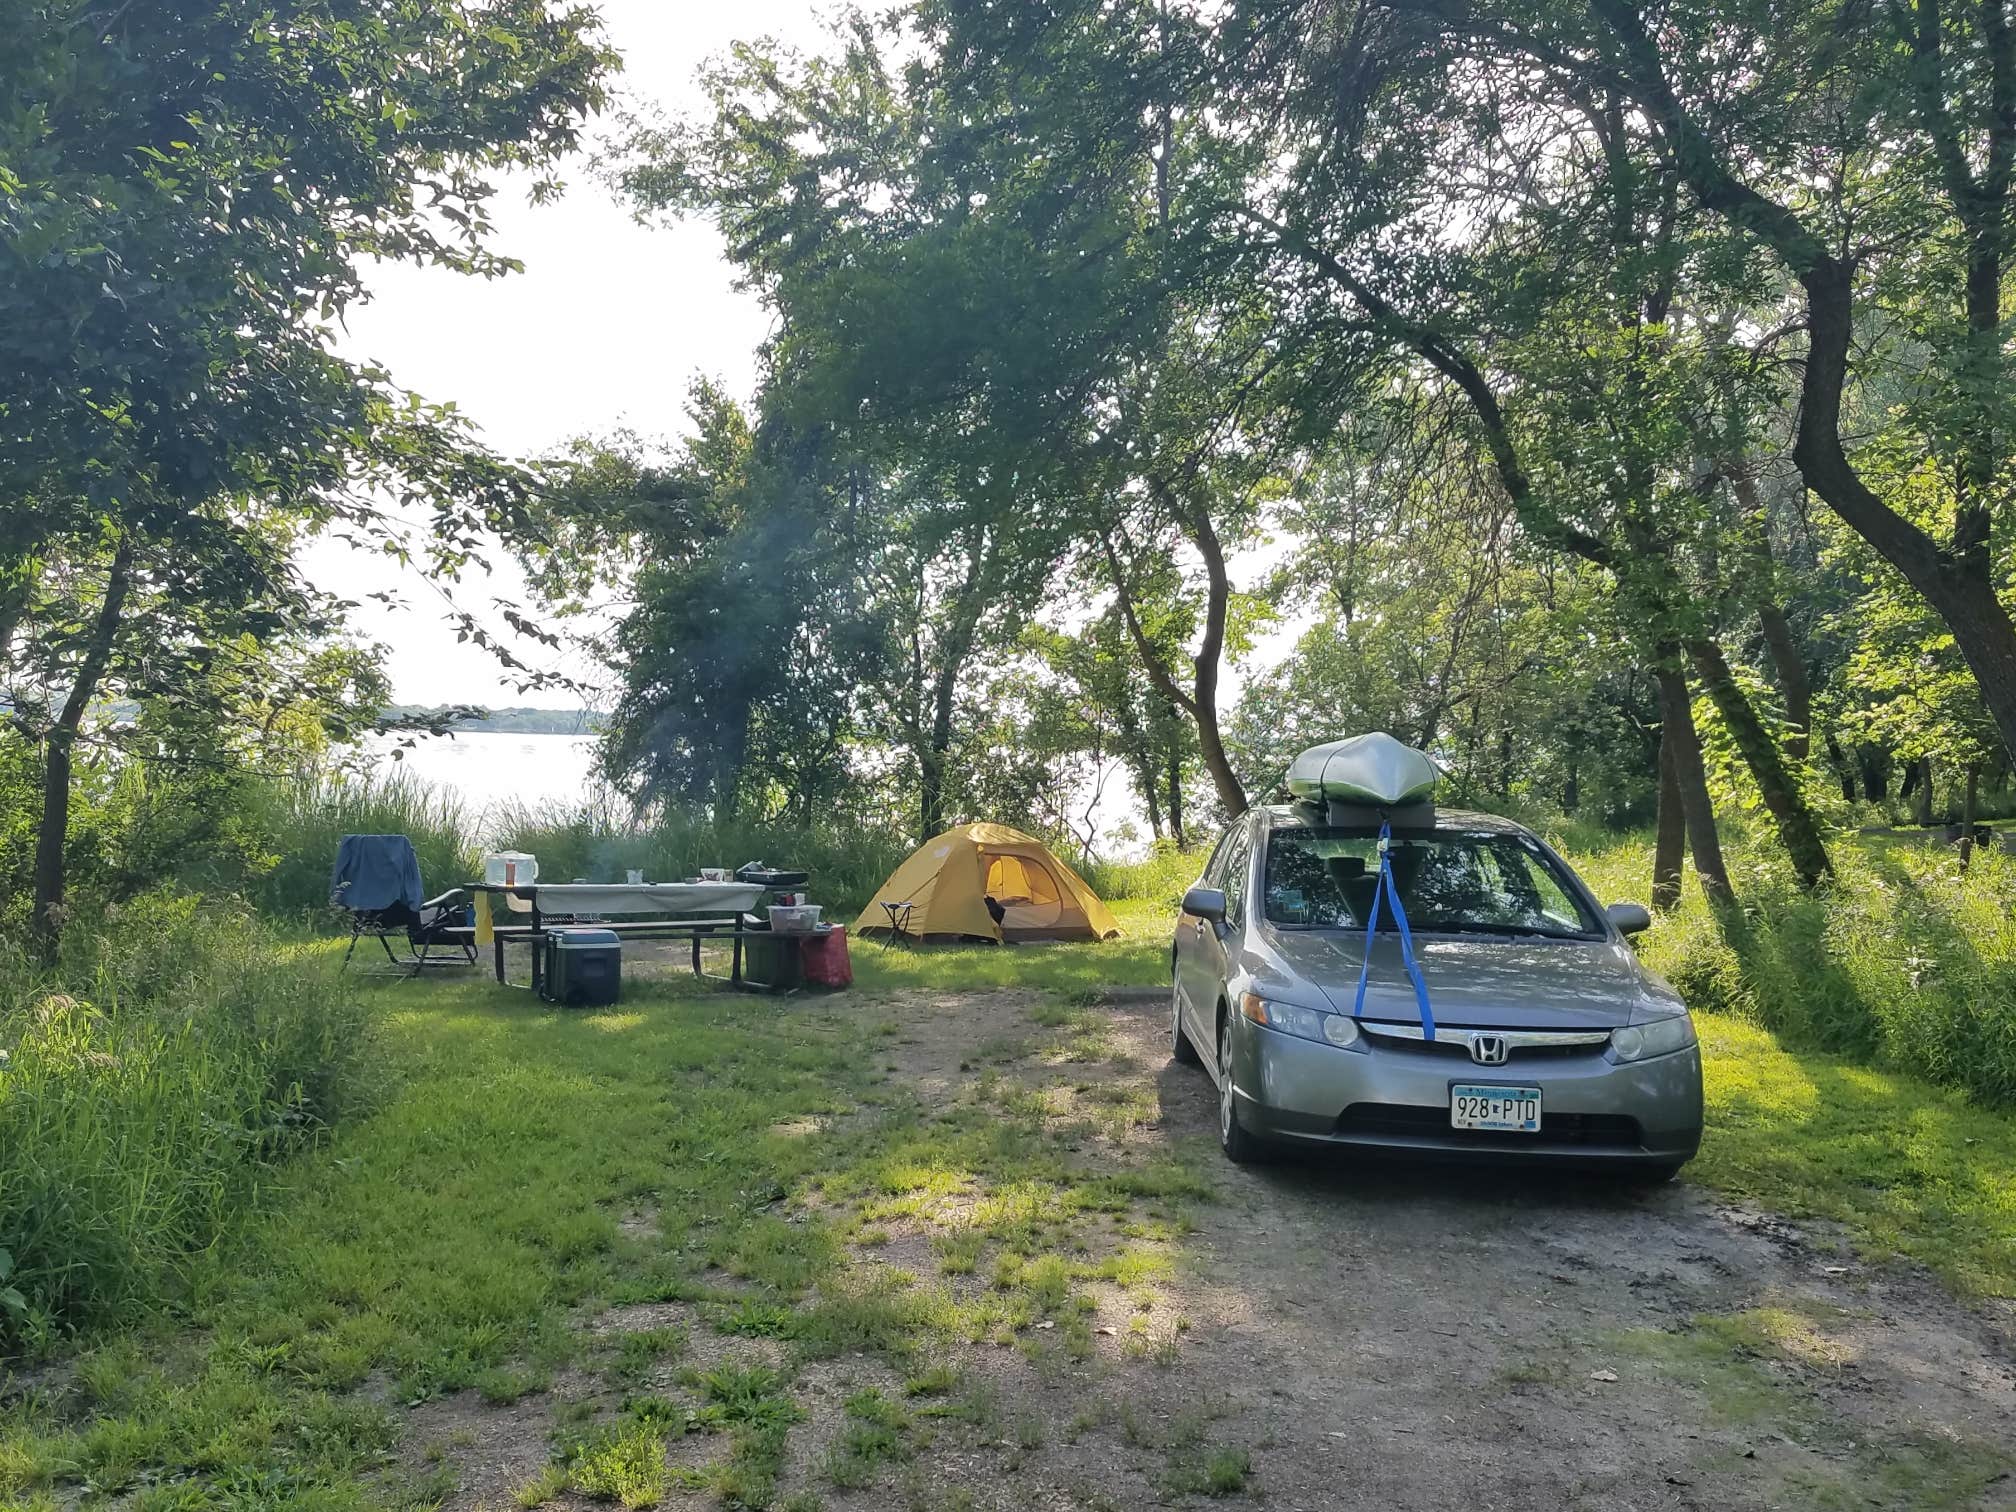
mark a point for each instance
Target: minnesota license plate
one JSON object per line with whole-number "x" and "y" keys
{"x": 1501, "y": 1110}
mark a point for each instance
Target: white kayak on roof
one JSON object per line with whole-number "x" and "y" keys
{"x": 1373, "y": 768}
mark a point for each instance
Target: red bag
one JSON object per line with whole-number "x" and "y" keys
{"x": 824, "y": 958}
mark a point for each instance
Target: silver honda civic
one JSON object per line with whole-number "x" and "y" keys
{"x": 1534, "y": 1033}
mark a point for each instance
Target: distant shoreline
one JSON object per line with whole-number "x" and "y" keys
{"x": 513, "y": 721}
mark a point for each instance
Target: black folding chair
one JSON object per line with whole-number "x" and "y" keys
{"x": 376, "y": 881}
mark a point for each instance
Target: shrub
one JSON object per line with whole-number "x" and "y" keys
{"x": 176, "y": 1051}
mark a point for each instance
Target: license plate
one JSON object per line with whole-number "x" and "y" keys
{"x": 1501, "y": 1110}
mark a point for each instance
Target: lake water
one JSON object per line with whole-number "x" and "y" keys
{"x": 483, "y": 768}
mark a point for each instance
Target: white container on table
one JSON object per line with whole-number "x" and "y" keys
{"x": 510, "y": 869}
{"x": 798, "y": 918}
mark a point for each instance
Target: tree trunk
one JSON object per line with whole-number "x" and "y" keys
{"x": 930, "y": 798}
{"x": 1176, "y": 799}
{"x": 1844, "y": 770}
{"x": 1793, "y": 682}
{"x": 1217, "y": 602}
{"x": 1671, "y": 847}
{"x": 1924, "y": 809}
{"x": 1787, "y": 665}
{"x": 1200, "y": 701}
{"x": 1134, "y": 739}
{"x": 1875, "y": 768}
{"x": 1146, "y": 775}
{"x": 1798, "y": 830}
{"x": 1967, "y": 814}
{"x": 728, "y": 770}
{"x": 1676, "y": 716}
{"x": 53, "y": 831}
{"x": 931, "y": 763}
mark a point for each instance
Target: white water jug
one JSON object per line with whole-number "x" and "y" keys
{"x": 510, "y": 868}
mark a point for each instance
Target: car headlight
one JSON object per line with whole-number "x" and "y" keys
{"x": 1660, "y": 1037}
{"x": 1303, "y": 1023}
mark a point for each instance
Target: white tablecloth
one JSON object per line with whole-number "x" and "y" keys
{"x": 680, "y": 898}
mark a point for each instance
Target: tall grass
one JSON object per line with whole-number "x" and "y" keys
{"x": 591, "y": 841}
{"x": 175, "y": 1052}
{"x": 1159, "y": 877}
{"x": 303, "y": 821}
{"x": 1903, "y": 961}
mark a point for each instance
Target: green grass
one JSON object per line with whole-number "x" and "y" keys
{"x": 464, "y": 1233}
{"x": 1908, "y": 1168}
{"x": 1140, "y": 957}
{"x": 147, "y": 1087}
{"x": 1160, "y": 877}
{"x": 876, "y": 1432}
{"x": 1208, "y": 1470}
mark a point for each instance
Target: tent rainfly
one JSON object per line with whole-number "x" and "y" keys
{"x": 948, "y": 880}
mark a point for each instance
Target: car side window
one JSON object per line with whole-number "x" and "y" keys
{"x": 1214, "y": 868}
{"x": 1234, "y": 879}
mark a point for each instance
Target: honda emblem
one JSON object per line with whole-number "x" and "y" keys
{"x": 1488, "y": 1049}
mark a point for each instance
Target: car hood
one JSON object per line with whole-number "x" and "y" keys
{"x": 1478, "y": 980}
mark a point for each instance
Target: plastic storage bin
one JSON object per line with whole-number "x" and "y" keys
{"x": 583, "y": 967}
{"x": 786, "y": 962}
{"x": 796, "y": 918}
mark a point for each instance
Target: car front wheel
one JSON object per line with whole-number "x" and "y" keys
{"x": 1179, "y": 1042}
{"x": 1240, "y": 1147}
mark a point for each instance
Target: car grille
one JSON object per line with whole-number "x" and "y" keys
{"x": 1610, "y": 1130}
{"x": 1453, "y": 1042}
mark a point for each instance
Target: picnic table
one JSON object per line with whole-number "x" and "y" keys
{"x": 699, "y": 911}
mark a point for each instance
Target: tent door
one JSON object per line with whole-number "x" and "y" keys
{"x": 1027, "y": 893}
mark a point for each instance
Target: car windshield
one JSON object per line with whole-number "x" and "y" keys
{"x": 1451, "y": 881}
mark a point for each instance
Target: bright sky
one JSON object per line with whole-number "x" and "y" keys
{"x": 606, "y": 326}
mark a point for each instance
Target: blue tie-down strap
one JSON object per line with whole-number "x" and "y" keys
{"x": 1385, "y": 890}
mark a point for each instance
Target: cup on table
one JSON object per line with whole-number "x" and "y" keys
{"x": 634, "y": 876}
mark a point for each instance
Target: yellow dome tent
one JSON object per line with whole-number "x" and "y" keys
{"x": 948, "y": 879}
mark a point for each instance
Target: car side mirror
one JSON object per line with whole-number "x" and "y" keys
{"x": 1629, "y": 918}
{"x": 1205, "y": 903}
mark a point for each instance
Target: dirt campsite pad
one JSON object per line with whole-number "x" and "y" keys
{"x": 942, "y": 1250}
{"x": 1098, "y": 1312}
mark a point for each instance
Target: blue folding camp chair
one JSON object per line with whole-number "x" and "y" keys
{"x": 376, "y": 880}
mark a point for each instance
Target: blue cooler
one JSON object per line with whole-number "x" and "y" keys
{"x": 583, "y": 967}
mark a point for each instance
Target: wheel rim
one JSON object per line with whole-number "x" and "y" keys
{"x": 1225, "y": 1083}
